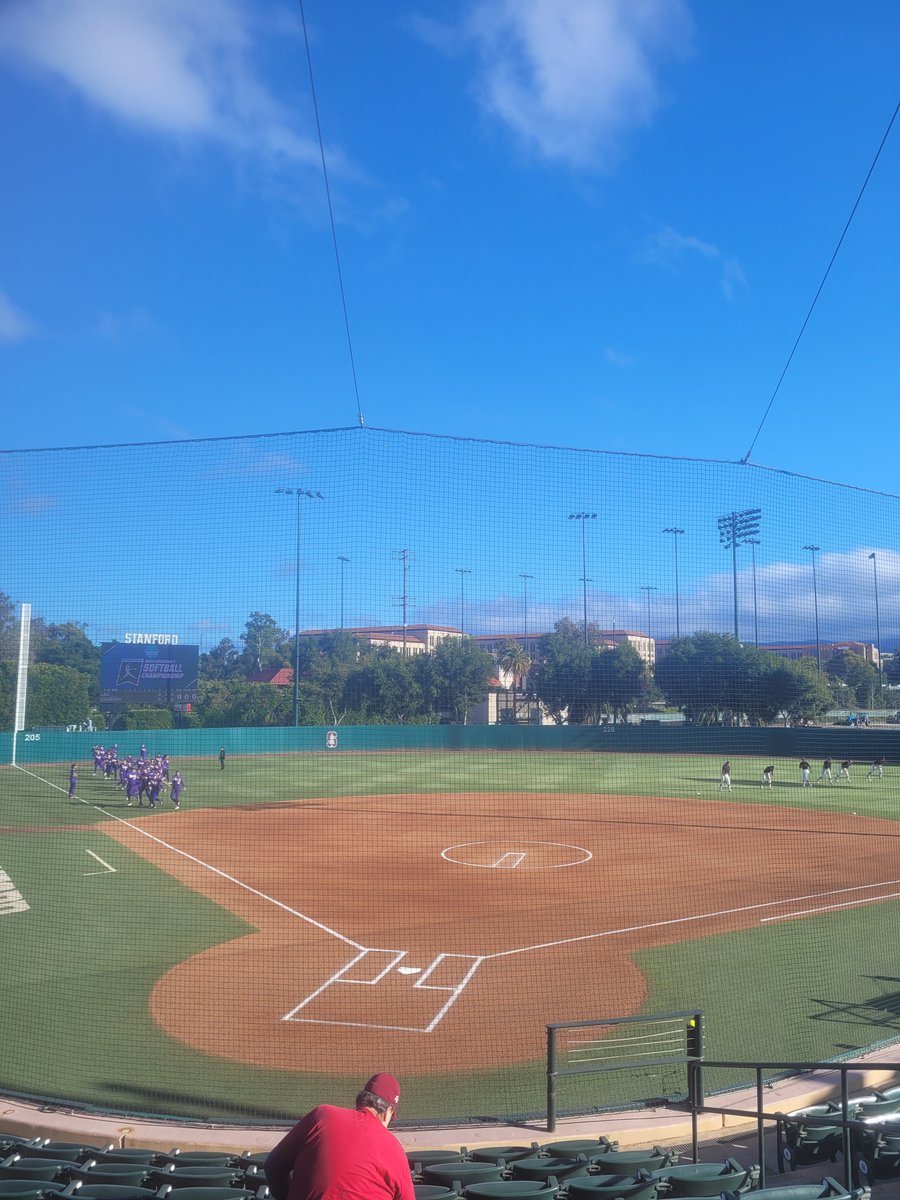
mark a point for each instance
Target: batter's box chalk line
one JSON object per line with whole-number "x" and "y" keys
{"x": 373, "y": 967}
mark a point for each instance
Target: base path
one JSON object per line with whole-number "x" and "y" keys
{"x": 443, "y": 932}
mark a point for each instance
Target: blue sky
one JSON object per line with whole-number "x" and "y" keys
{"x": 589, "y": 223}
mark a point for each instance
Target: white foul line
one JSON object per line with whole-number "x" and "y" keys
{"x": 101, "y": 862}
{"x": 723, "y": 912}
{"x": 206, "y": 866}
{"x": 805, "y": 912}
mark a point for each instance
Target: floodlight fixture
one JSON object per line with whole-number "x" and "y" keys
{"x": 300, "y": 493}
{"x": 736, "y": 529}
{"x": 462, "y": 572}
{"x": 874, "y": 559}
{"x": 813, "y": 551}
{"x": 676, "y": 533}
{"x": 524, "y": 576}
{"x": 583, "y": 517}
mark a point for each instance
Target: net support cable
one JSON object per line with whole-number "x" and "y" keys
{"x": 821, "y": 286}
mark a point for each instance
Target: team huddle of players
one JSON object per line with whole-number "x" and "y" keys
{"x": 140, "y": 777}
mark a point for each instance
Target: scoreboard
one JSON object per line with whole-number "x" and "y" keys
{"x": 148, "y": 674}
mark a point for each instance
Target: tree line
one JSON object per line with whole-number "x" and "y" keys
{"x": 343, "y": 679}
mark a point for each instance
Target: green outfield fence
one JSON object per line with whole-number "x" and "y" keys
{"x": 861, "y": 745}
{"x": 410, "y": 644}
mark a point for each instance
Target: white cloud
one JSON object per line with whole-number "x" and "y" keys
{"x": 15, "y": 326}
{"x": 571, "y": 77}
{"x": 168, "y": 66}
{"x": 121, "y": 329}
{"x": 668, "y": 248}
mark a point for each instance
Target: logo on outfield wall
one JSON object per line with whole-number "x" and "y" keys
{"x": 11, "y": 900}
{"x": 331, "y": 739}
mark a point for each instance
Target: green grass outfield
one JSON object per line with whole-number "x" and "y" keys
{"x": 30, "y": 796}
{"x": 80, "y": 963}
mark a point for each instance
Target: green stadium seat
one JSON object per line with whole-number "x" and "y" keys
{"x": 707, "y": 1179}
{"x": 514, "y": 1189}
{"x": 70, "y": 1151}
{"x": 120, "y": 1174}
{"x": 99, "y": 1191}
{"x": 211, "y": 1193}
{"x": 201, "y": 1158}
{"x": 879, "y": 1104}
{"x": 542, "y": 1166}
{"x": 22, "y": 1189}
{"x": 828, "y": 1189}
{"x": 626, "y": 1162}
{"x": 494, "y": 1154}
{"x": 255, "y": 1158}
{"x": 420, "y": 1159}
{"x": 612, "y": 1187}
{"x": 457, "y": 1175}
{"x": 195, "y": 1177}
{"x": 12, "y": 1143}
{"x": 432, "y": 1191}
{"x": 130, "y": 1154}
{"x": 587, "y": 1146}
{"x": 876, "y": 1149}
{"x": 52, "y": 1170}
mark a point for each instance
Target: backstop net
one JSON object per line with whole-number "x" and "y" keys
{"x": 357, "y": 749}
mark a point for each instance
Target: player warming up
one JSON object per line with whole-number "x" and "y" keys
{"x": 805, "y": 769}
{"x": 343, "y": 1153}
{"x": 876, "y": 769}
{"x": 825, "y": 773}
{"x": 845, "y": 769}
{"x": 73, "y": 781}
{"x": 725, "y": 781}
{"x": 768, "y": 774}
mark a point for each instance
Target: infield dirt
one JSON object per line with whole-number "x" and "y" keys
{"x": 469, "y": 920}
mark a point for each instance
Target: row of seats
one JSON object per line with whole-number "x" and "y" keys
{"x": 809, "y": 1135}
{"x": 588, "y": 1169}
{"x": 41, "y": 1169}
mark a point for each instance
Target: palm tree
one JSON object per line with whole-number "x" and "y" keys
{"x": 516, "y": 661}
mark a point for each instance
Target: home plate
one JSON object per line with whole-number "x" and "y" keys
{"x": 409, "y": 970}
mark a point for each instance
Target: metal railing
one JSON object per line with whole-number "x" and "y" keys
{"x": 698, "y": 1104}
{"x": 597, "y": 1055}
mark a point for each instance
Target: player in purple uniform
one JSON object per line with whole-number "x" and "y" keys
{"x": 154, "y": 785}
{"x": 175, "y": 789}
{"x": 73, "y": 781}
{"x": 133, "y": 789}
{"x": 143, "y": 754}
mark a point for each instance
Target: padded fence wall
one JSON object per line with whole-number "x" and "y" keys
{"x": 497, "y": 799}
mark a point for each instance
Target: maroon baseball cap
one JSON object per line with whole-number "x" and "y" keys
{"x": 385, "y": 1087}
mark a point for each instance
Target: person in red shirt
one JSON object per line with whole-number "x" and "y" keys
{"x": 342, "y": 1153}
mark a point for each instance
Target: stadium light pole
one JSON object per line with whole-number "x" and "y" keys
{"x": 525, "y": 577}
{"x": 675, "y": 535}
{"x": 300, "y": 493}
{"x": 877, "y": 627}
{"x": 583, "y": 517}
{"x": 343, "y": 560}
{"x": 813, "y": 551}
{"x": 462, "y": 572}
{"x": 753, "y": 543}
{"x": 648, "y": 588}
{"x": 736, "y": 529}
